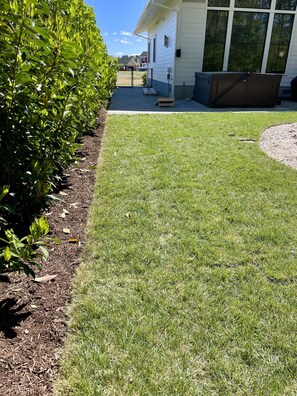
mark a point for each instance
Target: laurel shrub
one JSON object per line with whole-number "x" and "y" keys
{"x": 55, "y": 75}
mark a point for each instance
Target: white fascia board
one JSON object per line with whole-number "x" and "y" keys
{"x": 150, "y": 12}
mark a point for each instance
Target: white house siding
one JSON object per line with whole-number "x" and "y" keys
{"x": 165, "y": 25}
{"x": 291, "y": 70}
{"x": 191, "y": 35}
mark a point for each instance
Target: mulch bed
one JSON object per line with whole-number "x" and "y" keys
{"x": 33, "y": 315}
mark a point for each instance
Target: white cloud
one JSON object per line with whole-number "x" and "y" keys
{"x": 119, "y": 54}
{"x": 139, "y": 40}
{"x": 125, "y": 41}
{"x": 106, "y": 34}
{"x": 124, "y": 33}
{"x": 114, "y": 33}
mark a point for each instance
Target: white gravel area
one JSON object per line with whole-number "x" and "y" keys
{"x": 280, "y": 143}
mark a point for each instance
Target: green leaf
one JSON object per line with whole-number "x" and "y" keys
{"x": 7, "y": 254}
{"x": 23, "y": 78}
{"x": 5, "y": 191}
{"x": 5, "y": 30}
{"x": 43, "y": 32}
{"x": 44, "y": 252}
{"x": 25, "y": 67}
{"x": 10, "y": 18}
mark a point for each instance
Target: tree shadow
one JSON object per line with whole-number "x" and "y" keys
{"x": 10, "y": 316}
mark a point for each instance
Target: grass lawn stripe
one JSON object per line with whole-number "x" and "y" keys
{"x": 188, "y": 285}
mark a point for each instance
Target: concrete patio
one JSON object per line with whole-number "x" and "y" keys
{"x": 132, "y": 100}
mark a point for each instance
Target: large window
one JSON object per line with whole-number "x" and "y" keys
{"x": 280, "y": 43}
{"x": 286, "y": 4}
{"x": 248, "y": 35}
{"x": 248, "y": 40}
{"x": 216, "y": 28}
{"x": 253, "y": 3}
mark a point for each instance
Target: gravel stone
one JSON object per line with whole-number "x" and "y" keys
{"x": 280, "y": 143}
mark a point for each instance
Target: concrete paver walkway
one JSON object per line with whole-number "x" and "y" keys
{"x": 132, "y": 100}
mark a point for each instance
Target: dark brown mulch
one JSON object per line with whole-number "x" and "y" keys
{"x": 33, "y": 315}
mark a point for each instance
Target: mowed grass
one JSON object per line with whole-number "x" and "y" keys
{"x": 188, "y": 285}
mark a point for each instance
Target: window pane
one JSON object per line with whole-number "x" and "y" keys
{"x": 148, "y": 51}
{"x": 247, "y": 41}
{"x": 253, "y": 3}
{"x": 218, "y": 3}
{"x": 154, "y": 49}
{"x": 215, "y": 37}
{"x": 286, "y": 4}
{"x": 280, "y": 43}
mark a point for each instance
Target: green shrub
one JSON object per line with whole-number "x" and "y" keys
{"x": 144, "y": 79}
{"x": 55, "y": 76}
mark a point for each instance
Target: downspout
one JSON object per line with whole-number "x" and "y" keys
{"x": 154, "y": 2}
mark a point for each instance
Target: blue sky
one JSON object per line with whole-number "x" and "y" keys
{"x": 117, "y": 20}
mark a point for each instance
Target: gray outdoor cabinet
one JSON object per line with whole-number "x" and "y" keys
{"x": 237, "y": 89}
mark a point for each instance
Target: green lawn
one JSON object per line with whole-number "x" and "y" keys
{"x": 188, "y": 285}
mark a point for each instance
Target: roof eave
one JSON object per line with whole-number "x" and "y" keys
{"x": 141, "y": 26}
{"x": 148, "y": 14}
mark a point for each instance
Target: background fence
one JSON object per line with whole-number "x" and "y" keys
{"x": 130, "y": 78}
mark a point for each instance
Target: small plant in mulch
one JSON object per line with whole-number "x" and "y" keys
{"x": 21, "y": 254}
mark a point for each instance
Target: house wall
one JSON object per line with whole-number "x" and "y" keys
{"x": 186, "y": 31}
{"x": 165, "y": 25}
{"x": 190, "y": 39}
{"x": 191, "y": 33}
{"x": 291, "y": 70}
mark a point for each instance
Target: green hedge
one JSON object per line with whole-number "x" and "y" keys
{"x": 55, "y": 74}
